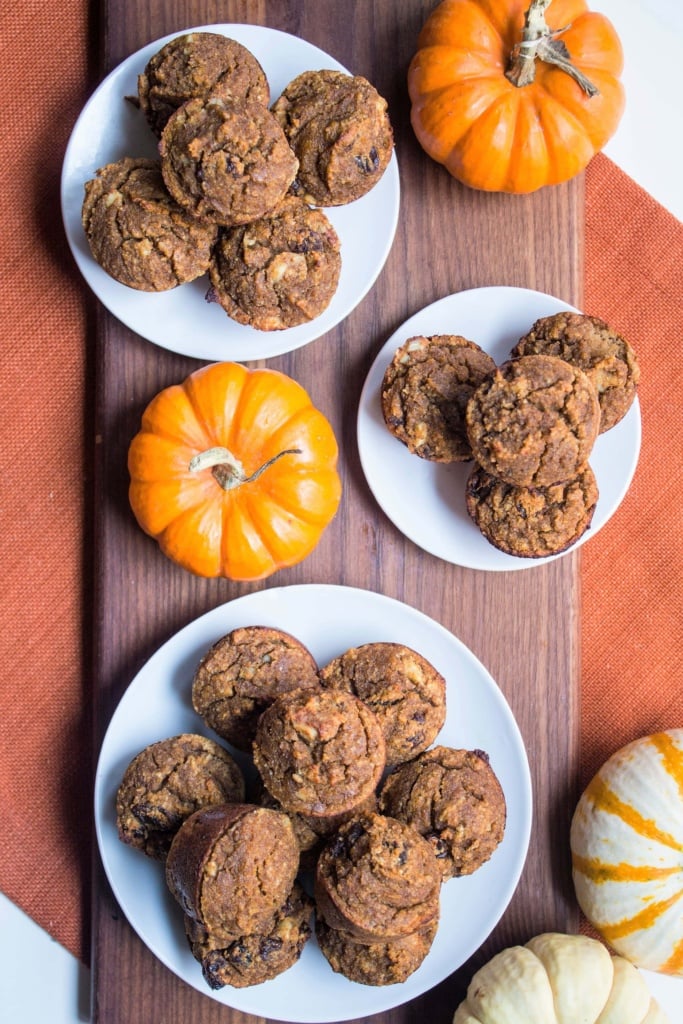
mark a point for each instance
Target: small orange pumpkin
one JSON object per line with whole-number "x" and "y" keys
{"x": 233, "y": 472}
{"x": 510, "y": 100}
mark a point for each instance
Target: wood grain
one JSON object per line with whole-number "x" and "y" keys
{"x": 522, "y": 625}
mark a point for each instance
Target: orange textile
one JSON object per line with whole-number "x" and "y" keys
{"x": 631, "y": 624}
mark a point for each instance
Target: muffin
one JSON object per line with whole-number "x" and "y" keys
{"x": 279, "y": 271}
{"x": 231, "y": 867}
{"x": 241, "y": 675}
{"x": 531, "y": 522}
{"x": 405, "y": 692}
{"x": 606, "y": 358}
{"x": 425, "y": 391}
{"x": 167, "y": 782}
{"x": 378, "y": 880}
{"x": 226, "y": 162}
{"x": 252, "y": 959}
{"x": 339, "y": 129}
{"x": 137, "y": 233}
{"x": 319, "y": 753}
{"x": 454, "y": 799}
{"x": 387, "y": 962}
{"x": 534, "y": 421}
{"x": 194, "y": 65}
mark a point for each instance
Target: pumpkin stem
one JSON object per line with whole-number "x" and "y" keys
{"x": 227, "y": 470}
{"x": 542, "y": 43}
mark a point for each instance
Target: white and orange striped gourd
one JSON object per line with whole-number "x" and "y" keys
{"x": 627, "y": 852}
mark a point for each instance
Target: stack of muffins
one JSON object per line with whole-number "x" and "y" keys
{"x": 352, "y": 814}
{"x": 238, "y": 186}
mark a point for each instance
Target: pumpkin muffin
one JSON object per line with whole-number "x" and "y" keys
{"x": 241, "y": 675}
{"x": 425, "y": 391}
{"x": 194, "y": 65}
{"x": 339, "y": 129}
{"x": 534, "y": 421}
{"x": 226, "y": 162}
{"x": 167, "y": 782}
{"x": 606, "y": 358}
{"x": 454, "y": 799}
{"x": 279, "y": 271}
{"x": 532, "y": 522}
{"x": 378, "y": 880}
{"x": 405, "y": 692}
{"x": 137, "y": 233}
{"x": 319, "y": 753}
{"x": 252, "y": 959}
{"x": 231, "y": 867}
{"x": 373, "y": 963}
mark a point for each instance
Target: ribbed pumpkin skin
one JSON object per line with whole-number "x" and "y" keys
{"x": 496, "y": 136}
{"x": 258, "y": 527}
{"x": 627, "y": 852}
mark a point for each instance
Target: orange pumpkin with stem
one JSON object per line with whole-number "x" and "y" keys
{"x": 234, "y": 472}
{"x": 510, "y": 99}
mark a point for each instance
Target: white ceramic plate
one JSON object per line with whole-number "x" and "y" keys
{"x": 329, "y": 620}
{"x": 181, "y": 320}
{"x": 426, "y": 500}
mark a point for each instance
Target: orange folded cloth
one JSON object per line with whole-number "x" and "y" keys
{"x": 631, "y": 604}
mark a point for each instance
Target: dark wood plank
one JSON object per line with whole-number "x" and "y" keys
{"x": 523, "y": 626}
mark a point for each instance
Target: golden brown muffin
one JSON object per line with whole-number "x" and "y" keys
{"x": 138, "y": 233}
{"x": 454, "y": 799}
{"x": 425, "y": 391}
{"x": 606, "y": 358}
{"x": 241, "y": 675}
{"x": 387, "y": 962}
{"x": 532, "y": 522}
{"x": 534, "y": 421}
{"x": 279, "y": 271}
{"x": 167, "y": 782}
{"x": 339, "y": 129}
{"x": 400, "y": 686}
{"x": 224, "y": 162}
{"x": 193, "y": 65}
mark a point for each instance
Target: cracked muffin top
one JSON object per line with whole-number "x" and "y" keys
{"x": 137, "y": 233}
{"x": 534, "y": 421}
{"x": 339, "y": 129}
{"x": 227, "y": 162}
{"x": 193, "y": 65}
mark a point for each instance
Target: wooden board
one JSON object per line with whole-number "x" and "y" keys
{"x": 522, "y": 625}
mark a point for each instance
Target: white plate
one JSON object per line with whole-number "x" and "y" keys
{"x": 329, "y": 620}
{"x": 110, "y": 128}
{"x": 426, "y": 500}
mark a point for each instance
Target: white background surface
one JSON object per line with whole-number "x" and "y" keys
{"x": 649, "y": 147}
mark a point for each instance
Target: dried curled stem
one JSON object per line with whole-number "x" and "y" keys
{"x": 539, "y": 42}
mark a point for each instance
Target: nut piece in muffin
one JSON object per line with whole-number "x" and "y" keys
{"x": 138, "y": 233}
{"x": 405, "y": 692}
{"x": 532, "y": 522}
{"x": 425, "y": 391}
{"x": 251, "y": 959}
{"x": 231, "y": 867}
{"x": 242, "y": 673}
{"x": 167, "y": 782}
{"x": 373, "y": 963}
{"x": 339, "y": 129}
{"x": 454, "y": 799}
{"x": 319, "y": 753}
{"x": 279, "y": 271}
{"x": 534, "y": 421}
{"x": 606, "y": 358}
{"x": 194, "y": 65}
{"x": 378, "y": 880}
{"x": 226, "y": 162}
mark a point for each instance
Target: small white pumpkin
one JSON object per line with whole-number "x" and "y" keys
{"x": 626, "y": 841}
{"x": 558, "y": 979}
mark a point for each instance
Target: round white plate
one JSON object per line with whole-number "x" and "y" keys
{"x": 426, "y": 500}
{"x": 329, "y": 620}
{"x": 181, "y": 320}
